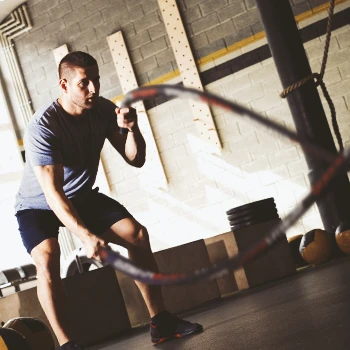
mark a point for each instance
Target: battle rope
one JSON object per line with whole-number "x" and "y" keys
{"x": 319, "y": 77}
{"x": 339, "y": 163}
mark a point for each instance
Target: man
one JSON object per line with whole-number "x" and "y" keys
{"x": 63, "y": 143}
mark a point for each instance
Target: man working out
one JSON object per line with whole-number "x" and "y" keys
{"x": 63, "y": 143}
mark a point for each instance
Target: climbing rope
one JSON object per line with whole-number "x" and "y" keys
{"x": 319, "y": 77}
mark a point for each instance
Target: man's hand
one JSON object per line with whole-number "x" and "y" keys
{"x": 92, "y": 245}
{"x": 126, "y": 117}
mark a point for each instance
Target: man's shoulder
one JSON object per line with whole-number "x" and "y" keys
{"x": 104, "y": 103}
{"x": 44, "y": 115}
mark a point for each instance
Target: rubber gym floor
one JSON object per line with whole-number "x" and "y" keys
{"x": 308, "y": 310}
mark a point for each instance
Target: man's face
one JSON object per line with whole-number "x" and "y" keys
{"x": 83, "y": 86}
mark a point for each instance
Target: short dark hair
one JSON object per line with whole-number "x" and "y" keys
{"x": 75, "y": 59}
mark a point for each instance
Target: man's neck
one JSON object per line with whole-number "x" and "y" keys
{"x": 71, "y": 108}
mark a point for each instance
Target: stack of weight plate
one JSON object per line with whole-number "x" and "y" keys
{"x": 252, "y": 213}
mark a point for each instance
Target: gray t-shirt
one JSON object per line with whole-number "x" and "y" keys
{"x": 55, "y": 137}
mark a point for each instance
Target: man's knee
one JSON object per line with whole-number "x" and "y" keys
{"x": 46, "y": 257}
{"x": 140, "y": 237}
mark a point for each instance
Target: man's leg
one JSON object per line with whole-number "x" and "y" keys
{"x": 164, "y": 325}
{"x": 134, "y": 237}
{"x": 51, "y": 294}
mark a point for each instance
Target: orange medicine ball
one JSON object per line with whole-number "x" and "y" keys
{"x": 316, "y": 246}
{"x": 342, "y": 236}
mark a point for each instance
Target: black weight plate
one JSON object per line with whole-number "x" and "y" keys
{"x": 248, "y": 223}
{"x": 262, "y": 202}
{"x": 255, "y": 218}
{"x": 257, "y": 211}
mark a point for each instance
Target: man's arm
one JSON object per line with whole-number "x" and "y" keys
{"x": 51, "y": 178}
{"x": 132, "y": 146}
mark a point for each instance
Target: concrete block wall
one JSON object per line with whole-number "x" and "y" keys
{"x": 252, "y": 165}
{"x": 83, "y": 25}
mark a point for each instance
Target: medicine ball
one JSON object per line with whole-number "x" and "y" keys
{"x": 36, "y": 333}
{"x": 342, "y": 236}
{"x": 294, "y": 244}
{"x": 316, "y": 246}
{"x": 12, "y": 340}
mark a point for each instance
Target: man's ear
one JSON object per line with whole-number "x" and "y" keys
{"x": 64, "y": 85}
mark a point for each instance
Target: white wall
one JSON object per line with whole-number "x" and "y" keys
{"x": 12, "y": 252}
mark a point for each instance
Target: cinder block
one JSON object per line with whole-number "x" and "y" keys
{"x": 67, "y": 35}
{"x": 54, "y": 27}
{"x": 339, "y": 89}
{"x": 60, "y": 10}
{"x": 79, "y": 3}
{"x": 192, "y": 3}
{"x": 160, "y": 71}
{"x": 138, "y": 40}
{"x": 250, "y": 94}
{"x": 250, "y": 3}
{"x": 47, "y": 44}
{"x": 149, "y": 6}
{"x": 344, "y": 39}
{"x": 46, "y": 5}
{"x": 205, "y": 23}
{"x": 153, "y": 47}
{"x": 246, "y": 19}
{"x": 135, "y": 56}
{"x": 95, "y": 6}
{"x": 345, "y": 70}
{"x": 165, "y": 56}
{"x": 157, "y": 31}
{"x": 103, "y": 30}
{"x": 212, "y": 47}
{"x": 209, "y": 6}
{"x": 97, "y": 47}
{"x": 256, "y": 165}
{"x": 297, "y": 167}
{"x": 284, "y": 156}
{"x": 190, "y": 15}
{"x": 270, "y": 100}
{"x": 146, "y": 65}
{"x": 200, "y": 40}
{"x": 231, "y": 11}
{"x": 91, "y": 22}
{"x": 263, "y": 74}
{"x": 130, "y": 16}
{"x": 45, "y": 59}
{"x": 75, "y": 16}
{"x": 40, "y": 21}
{"x": 147, "y": 21}
{"x": 220, "y": 31}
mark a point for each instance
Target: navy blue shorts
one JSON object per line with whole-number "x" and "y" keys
{"x": 98, "y": 212}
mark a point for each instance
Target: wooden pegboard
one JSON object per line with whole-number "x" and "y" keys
{"x": 128, "y": 82}
{"x": 188, "y": 69}
{"x": 59, "y": 53}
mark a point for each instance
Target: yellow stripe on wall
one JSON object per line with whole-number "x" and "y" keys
{"x": 236, "y": 46}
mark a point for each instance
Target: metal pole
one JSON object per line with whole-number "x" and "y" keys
{"x": 309, "y": 117}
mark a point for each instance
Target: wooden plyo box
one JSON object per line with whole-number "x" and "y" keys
{"x": 96, "y": 306}
{"x": 183, "y": 258}
{"x": 273, "y": 264}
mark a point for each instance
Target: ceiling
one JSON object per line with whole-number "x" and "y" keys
{"x": 7, "y": 6}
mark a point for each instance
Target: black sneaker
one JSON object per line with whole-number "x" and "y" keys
{"x": 71, "y": 345}
{"x": 171, "y": 327}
